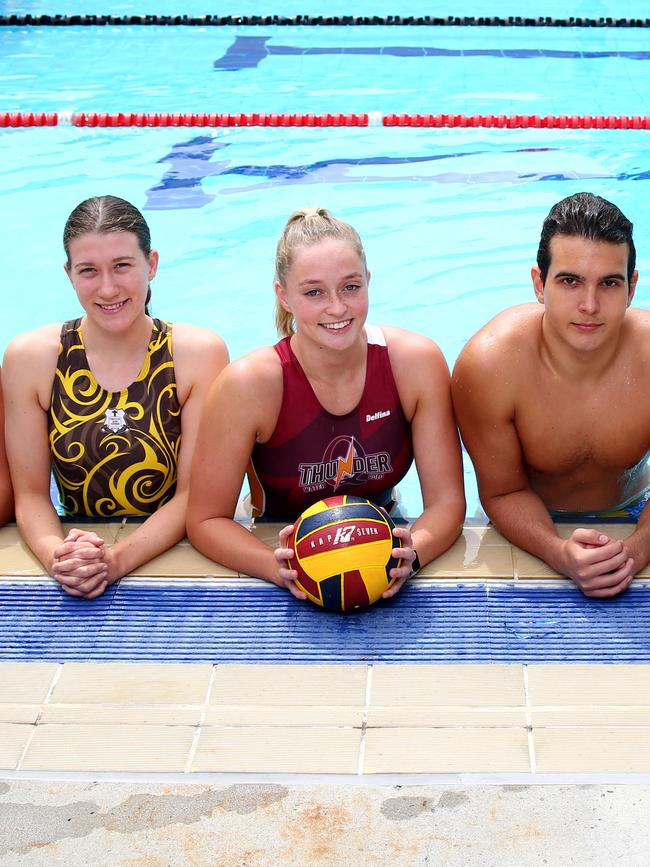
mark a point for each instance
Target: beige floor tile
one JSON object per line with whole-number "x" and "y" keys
{"x": 621, "y": 716}
{"x": 106, "y": 714}
{"x": 13, "y": 739}
{"x": 108, "y": 530}
{"x": 403, "y": 716}
{"x": 183, "y": 561}
{"x": 290, "y": 685}
{"x": 109, "y": 748}
{"x": 447, "y": 686}
{"x": 265, "y": 749}
{"x": 454, "y": 750}
{"x": 25, "y": 682}
{"x": 290, "y": 715}
{"x": 132, "y": 683}
{"x": 592, "y": 750}
{"x": 267, "y": 533}
{"x": 528, "y": 566}
{"x": 19, "y": 713}
{"x": 569, "y": 685}
{"x": 486, "y": 535}
{"x": 470, "y": 557}
{"x": 469, "y": 554}
{"x": 15, "y": 556}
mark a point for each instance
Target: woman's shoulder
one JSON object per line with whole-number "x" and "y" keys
{"x": 260, "y": 370}
{"x": 410, "y": 347}
{"x": 195, "y": 339}
{"x": 30, "y": 361}
{"x": 250, "y": 389}
{"x": 40, "y": 345}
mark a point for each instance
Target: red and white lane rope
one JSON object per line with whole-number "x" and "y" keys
{"x": 373, "y": 118}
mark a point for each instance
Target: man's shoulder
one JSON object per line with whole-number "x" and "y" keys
{"x": 511, "y": 333}
{"x": 638, "y": 320}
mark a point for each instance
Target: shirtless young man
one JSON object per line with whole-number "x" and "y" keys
{"x": 551, "y": 400}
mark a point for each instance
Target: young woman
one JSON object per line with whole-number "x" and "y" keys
{"x": 6, "y": 492}
{"x": 335, "y": 407}
{"x": 110, "y": 401}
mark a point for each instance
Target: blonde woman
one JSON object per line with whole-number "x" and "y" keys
{"x": 337, "y": 406}
{"x": 111, "y": 401}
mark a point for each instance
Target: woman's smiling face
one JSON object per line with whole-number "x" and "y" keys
{"x": 326, "y": 290}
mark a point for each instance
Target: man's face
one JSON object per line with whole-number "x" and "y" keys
{"x": 586, "y": 292}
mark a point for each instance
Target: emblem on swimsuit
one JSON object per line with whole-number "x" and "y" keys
{"x": 344, "y": 459}
{"x": 114, "y": 421}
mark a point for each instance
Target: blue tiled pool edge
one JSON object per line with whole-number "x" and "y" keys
{"x": 429, "y": 622}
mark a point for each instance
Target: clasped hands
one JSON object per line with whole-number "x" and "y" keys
{"x": 599, "y": 565}
{"x": 81, "y": 564}
{"x": 287, "y": 577}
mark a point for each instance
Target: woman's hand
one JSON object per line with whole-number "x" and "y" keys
{"x": 79, "y": 564}
{"x": 287, "y": 576}
{"x": 406, "y": 554}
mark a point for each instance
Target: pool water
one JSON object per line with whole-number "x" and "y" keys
{"x": 450, "y": 218}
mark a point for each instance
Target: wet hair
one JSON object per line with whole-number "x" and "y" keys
{"x": 305, "y": 227}
{"x": 586, "y": 216}
{"x": 104, "y": 214}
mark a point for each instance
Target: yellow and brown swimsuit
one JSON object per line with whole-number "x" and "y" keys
{"x": 114, "y": 454}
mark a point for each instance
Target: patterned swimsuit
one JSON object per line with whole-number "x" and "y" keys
{"x": 114, "y": 453}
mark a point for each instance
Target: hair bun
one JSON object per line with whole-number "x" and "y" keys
{"x": 310, "y": 212}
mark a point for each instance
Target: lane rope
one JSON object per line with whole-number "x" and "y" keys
{"x": 55, "y": 20}
{"x": 372, "y": 118}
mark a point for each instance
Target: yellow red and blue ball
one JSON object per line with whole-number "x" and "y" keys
{"x": 342, "y": 552}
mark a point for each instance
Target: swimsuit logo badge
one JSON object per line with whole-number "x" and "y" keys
{"x": 344, "y": 459}
{"x": 114, "y": 421}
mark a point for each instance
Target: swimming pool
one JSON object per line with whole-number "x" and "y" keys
{"x": 450, "y": 217}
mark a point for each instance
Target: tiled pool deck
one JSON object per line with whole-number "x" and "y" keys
{"x": 503, "y": 721}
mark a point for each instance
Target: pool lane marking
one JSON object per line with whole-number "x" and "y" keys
{"x": 247, "y": 52}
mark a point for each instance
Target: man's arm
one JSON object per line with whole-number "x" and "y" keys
{"x": 484, "y": 400}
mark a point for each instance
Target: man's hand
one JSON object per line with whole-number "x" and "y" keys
{"x": 599, "y": 565}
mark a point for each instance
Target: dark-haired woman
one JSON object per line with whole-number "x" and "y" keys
{"x": 110, "y": 401}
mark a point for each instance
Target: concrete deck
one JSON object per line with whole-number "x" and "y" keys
{"x": 364, "y": 764}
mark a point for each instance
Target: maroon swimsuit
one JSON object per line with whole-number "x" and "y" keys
{"x": 313, "y": 454}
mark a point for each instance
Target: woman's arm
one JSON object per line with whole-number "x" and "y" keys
{"x": 199, "y": 356}
{"x": 29, "y": 366}
{"x": 243, "y": 403}
{"x": 423, "y": 382}
{"x": 6, "y": 491}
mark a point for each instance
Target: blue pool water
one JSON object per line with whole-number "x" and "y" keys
{"x": 450, "y": 218}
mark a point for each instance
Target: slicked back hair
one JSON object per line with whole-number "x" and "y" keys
{"x": 103, "y": 214}
{"x": 588, "y": 216}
